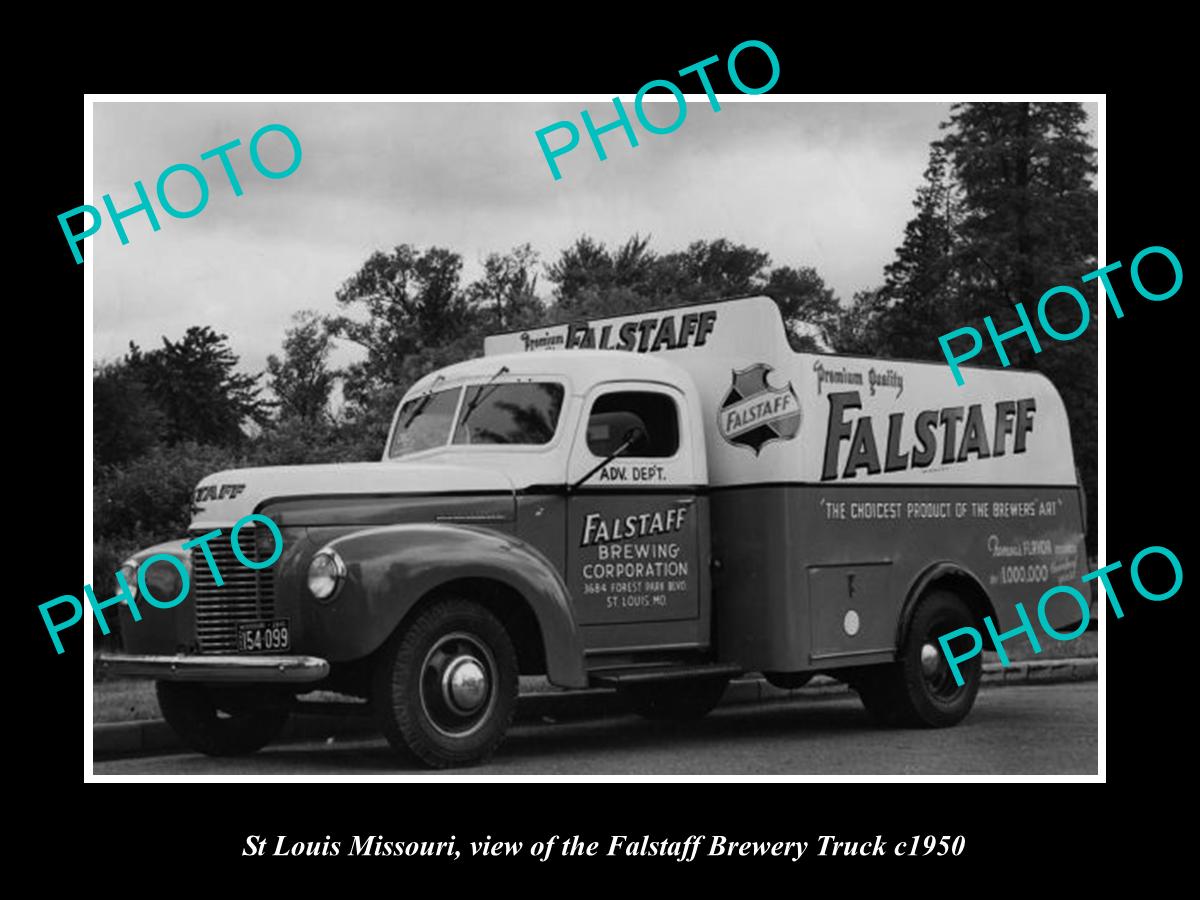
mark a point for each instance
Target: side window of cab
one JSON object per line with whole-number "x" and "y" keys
{"x": 653, "y": 419}
{"x": 652, "y": 416}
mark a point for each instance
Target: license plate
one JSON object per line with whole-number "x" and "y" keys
{"x": 264, "y": 637}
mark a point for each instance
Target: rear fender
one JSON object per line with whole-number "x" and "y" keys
{"x": 954, "y": 577}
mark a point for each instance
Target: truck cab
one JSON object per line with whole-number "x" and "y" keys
{"x": 656, "y": 520}
{"x": 607, "y": 476}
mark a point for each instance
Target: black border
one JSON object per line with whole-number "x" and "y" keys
{"x": 1148, "y": 460}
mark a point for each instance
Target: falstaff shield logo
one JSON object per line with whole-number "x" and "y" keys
{"x": 754, "y": 413}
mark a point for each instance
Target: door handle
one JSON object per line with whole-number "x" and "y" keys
{"x": 685, "y": 501}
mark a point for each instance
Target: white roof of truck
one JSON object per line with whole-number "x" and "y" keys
{"x": 579, "y": 368}
{"x": 774, "y": 415}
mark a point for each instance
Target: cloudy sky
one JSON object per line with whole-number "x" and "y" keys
{"x": 820, "y": 184}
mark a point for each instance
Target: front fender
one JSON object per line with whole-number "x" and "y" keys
{"x": 390, "y": 568}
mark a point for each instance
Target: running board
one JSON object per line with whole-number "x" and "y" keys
{"x": 627, "y": 677}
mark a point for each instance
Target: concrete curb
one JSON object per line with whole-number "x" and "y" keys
{"x": 111, "y": 740}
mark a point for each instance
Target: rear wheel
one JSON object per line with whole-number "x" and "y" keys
{"x": 676, "y": 700}
{"x": 919, "y": 689}
{"x": 222, "y": 721}
{"x": 445, "y": 687}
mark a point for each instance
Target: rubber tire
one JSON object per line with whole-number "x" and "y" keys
{"x": 191, "y": 712}
{"x": 396, "y": 687}
{"x": 676, "y": 701}
{"x": 898, "y": 694}
{"x": 788, "y": 681}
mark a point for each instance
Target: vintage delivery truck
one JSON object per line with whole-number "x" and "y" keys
{"x": 655, "y": 503}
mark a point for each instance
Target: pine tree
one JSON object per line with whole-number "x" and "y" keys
{"x": 195, "y": 383}
{"x": 1007, "y": 211}
{"x": 1028, "y": 206}
{"x": 921, "y": 283}
{"x": 1029, "y": 218}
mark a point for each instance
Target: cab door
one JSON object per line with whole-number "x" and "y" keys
{"x": 637, "y": 529}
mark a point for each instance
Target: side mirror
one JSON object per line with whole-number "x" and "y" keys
{"x": 632, "y": 436}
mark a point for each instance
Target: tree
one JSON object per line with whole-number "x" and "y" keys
{"x": 1029, "y": 222}
{"x": 408, "y": 301}
{"x": 1008, "y": 210}
{"x": 810, "y": 309}
{"x": 921, "y": 283}
{"x": 593, "y": 282}
{"x": 633, "y": 262}
{"x": 148, "y": 499}
{"x": 126, "y": 422}
{"x": 587, "y": 272}
{"x": 709, "y": 270}
{"x": 1025, "y": 172}
{"x": 505, "y": 296}
{"x": 861, "y": 327}
{"x": 302, "y": 380}
{"x": 195, "y": 384}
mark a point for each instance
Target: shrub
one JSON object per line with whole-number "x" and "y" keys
{"x": 147, "y": 501}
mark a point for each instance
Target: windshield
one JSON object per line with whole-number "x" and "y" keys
{"x": 424, "y": 422}
{"x": 496, "y": 413}
{"x": 518, "y": 413}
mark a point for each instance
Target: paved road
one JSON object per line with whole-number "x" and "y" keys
{"x": 1047, "y": 729}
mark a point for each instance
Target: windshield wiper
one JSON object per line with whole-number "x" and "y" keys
{"x": 423, "y": 402}
{"x": 474, "y": 402}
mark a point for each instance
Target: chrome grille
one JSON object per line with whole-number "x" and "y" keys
{"x": 247, "y": 595}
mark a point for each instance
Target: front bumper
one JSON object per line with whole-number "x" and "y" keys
{"x": 217, "y": 669}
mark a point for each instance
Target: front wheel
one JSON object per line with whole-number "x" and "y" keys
{"x": 222, "y": 721}
{"x": 919, "y": 689}
{"x": 446, "y": 686}
{"x": 676, "y": 700}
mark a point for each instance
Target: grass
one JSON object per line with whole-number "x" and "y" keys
{"x": 121, "y": 700}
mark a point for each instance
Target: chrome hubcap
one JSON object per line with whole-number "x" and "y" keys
{"x": 929, "y": 659}
{"x": 939, "y": 682}
{"x": 458, "y": 684}
{"x": 465, "y": 684}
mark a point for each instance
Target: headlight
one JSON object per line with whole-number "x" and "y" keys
{"x": 129, "y": 571}
{"x": 326, "y": 573}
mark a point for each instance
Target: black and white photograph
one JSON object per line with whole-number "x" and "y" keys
{"x": 685, "y": 434}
